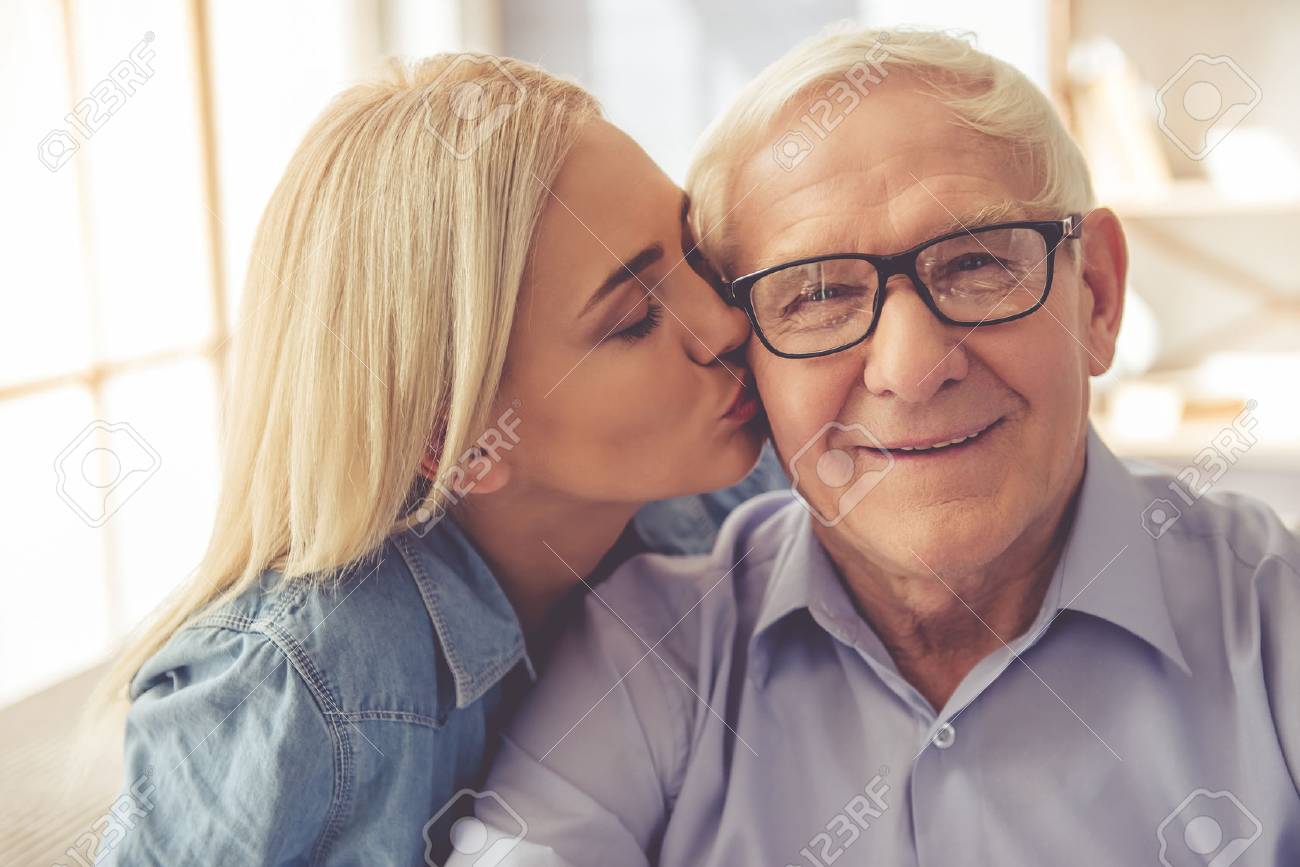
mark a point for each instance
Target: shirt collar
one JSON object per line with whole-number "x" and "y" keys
{"x": 803, "y": 578}
{"x": 479, "y": 634}
{"x": 798, "y": 557}
{"x": 1108, "y": 569}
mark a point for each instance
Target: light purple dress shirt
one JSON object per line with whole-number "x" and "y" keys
{"x": 734, "y": 709}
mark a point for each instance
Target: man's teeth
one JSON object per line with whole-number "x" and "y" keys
{"x": 939, "y": 445}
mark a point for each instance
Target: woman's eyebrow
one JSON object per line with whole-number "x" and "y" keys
{"x": 625, "y": 271}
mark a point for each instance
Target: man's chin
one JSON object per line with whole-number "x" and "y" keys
{"x": 952, "y": 538}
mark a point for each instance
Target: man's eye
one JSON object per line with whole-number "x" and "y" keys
{"x": 819, "y": 293}
{"x": 970, "y": 262}
{"x": 810, "y": 296}
{"x": 814, "y": 294}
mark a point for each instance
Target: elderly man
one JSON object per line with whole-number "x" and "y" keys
{"x": 963, "y": 641}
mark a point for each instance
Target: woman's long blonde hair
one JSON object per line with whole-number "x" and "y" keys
{"x": 376, "y": 315}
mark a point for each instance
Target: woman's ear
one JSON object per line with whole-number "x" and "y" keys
{"x": 483, "y": 475}
{"x": 475, "y": 473}
{"x": 431, "y": 459}
{"x": 482, "y": 468}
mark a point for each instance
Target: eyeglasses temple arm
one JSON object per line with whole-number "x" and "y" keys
{"x": 1074, "y": 226}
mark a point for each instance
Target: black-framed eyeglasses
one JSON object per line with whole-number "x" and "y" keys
{"x": 975, "y": 277}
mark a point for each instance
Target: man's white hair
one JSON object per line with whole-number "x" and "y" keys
{"x": 985, "y": 94}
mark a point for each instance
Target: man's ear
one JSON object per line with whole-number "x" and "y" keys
{"x": 1104, "y": 255}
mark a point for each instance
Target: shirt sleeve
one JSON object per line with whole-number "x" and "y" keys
{"x": 228, "y": 757}
{"x": 589, "y": 767}
{"x": 1277, "y": 581}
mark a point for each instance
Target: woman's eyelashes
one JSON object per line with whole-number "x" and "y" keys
{"x": 641, "y": 328}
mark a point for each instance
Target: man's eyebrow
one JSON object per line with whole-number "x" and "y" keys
{"x": 626, "y": 271}
{"x": 1000, "y": 213}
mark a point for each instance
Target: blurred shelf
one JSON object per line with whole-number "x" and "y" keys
{"x": 1197, "y": 199}
{"x": 1191, "y": 438}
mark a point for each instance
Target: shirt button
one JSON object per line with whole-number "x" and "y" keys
{"x": 944, "y": 736}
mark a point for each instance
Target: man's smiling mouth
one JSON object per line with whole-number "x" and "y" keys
{"x": 949, "y": 443}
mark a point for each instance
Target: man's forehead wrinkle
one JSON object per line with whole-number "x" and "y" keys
{"x": 823, "y": 228}
{"x": 800, "y": 238}
{"x": 897, "y": 185}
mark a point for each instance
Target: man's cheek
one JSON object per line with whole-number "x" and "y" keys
{"x": 801, "y": 396}
{"x": 792, "y": 417}
{"x": 787, "y": 440}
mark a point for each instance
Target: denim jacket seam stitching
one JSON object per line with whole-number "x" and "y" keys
{"x": 223, "y": 620}
{"x": 319, "y": 687}
{"x": 235, "y": 622}
{"x": 243, "y": 622}
{"x": 282, "y": 601}
{"x": 385, "y": 715}
{"x": 297, "y": 657}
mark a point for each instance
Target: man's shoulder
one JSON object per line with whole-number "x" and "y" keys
{"x": 690, "y": 525}
{"x": 661, "y": 631}
{"x": 1232, "y": 529}
{"x": 654, "y": 593}
{"x": 1228, "y": 561}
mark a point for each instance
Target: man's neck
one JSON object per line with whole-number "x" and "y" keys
{"x": 938, "y": 626}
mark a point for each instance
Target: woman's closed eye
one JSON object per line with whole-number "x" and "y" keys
{"x": 641, "y": 328}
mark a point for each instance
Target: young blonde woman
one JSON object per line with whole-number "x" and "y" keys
{"x": 471, "y": 351}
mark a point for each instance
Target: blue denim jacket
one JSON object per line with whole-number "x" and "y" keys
{"x": 340, "y": 724}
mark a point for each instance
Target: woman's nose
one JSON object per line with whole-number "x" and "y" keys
{"x": 718, "y": 327}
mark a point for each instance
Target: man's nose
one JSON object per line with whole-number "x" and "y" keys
{"x": 911, "y": 354}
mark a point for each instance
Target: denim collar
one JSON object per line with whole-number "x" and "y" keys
{"x": 478, "y": 631}
{"x": 1108, "y": 569}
